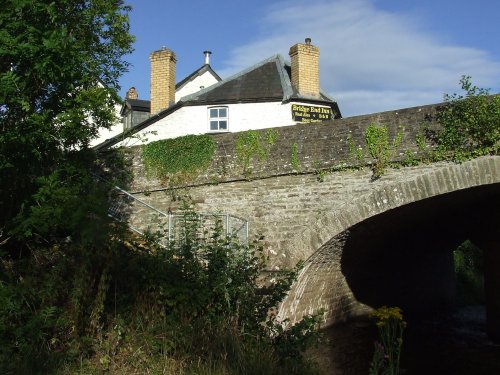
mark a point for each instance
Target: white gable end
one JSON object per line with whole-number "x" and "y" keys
{"x": 200, "y": 82}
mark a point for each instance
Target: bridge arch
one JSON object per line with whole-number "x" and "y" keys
{"x": 338, "y": 240}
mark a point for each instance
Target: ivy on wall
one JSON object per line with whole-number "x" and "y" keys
{"x": 182, "y": 157}
{"x": 381, "y": 149}
{"x": 252, "y": 144}
{"x": 295, "y": 163}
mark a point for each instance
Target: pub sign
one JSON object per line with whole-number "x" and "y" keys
{"x": 307, "y": 113}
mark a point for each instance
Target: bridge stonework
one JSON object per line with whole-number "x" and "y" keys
{"x": 302, "y": 218}
{"x": 313, "y": 290}
{"x": 299, "y": 216}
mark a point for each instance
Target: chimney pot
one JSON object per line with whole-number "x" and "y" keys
{"x": 308, "y": 41}
{"x": 207, "y": 57}
{"x": 132, "y": 93}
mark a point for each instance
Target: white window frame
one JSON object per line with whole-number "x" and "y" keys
{"x": 218, "y": 118}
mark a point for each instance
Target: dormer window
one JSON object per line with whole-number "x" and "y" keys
{"x": 218, "y": 118}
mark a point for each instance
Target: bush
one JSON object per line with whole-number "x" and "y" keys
{"x": 126, "y": 305}
{"x": 471, "y": 122}
{"x": 205, "y": 300}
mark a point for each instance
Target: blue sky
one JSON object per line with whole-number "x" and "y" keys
{"x": 376, "y": 55}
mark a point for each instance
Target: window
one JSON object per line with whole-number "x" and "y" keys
{"x": 127, "y": 120}
{"x": 218, "y": 118}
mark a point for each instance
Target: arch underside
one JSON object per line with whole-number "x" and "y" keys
{"x": 394, "y": 245}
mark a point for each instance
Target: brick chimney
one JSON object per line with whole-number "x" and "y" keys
{"x": 305, "y": 68}
{"x": 132, "y": 93}
{"x": 162, "y": 79}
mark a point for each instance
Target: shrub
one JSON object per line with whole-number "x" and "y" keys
{"x": 198, "y": 305}
{"x": 470, "y": 122}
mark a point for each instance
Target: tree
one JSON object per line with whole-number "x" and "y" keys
{"x": 59, "y": 68}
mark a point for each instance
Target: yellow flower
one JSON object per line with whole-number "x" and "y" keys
{"x": 384, "y": 314}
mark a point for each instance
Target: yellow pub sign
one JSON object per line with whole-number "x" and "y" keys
{"x": 307, "y": 113}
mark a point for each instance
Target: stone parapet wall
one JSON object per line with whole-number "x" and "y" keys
{"x": 319, "y": 146}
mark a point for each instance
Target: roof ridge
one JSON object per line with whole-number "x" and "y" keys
{"x": 326, "y": 95}
{"x": 286, "y": 83}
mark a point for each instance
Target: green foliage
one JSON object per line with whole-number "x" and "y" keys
{"x": 469, "y": 272}
{"x": 386, "y": 357}
{"x": 410, "y": 158}
{"x": 46, "y": 304}
{"x": 380, "y": 148}
{"x": 356, "y": 153}
{"x": 252, "y": 145}
{"x": 179, "y": 158}
{"x": 214, "y": 278}
{"x": 295, "y": 158}
{"x": 319, "y": 171}
{"x": 200, "y": 300}
{"x": 470, "y": 122}
{"x": 321, "y": 174}
{"x": 69, "y": 202}
{"x": 53, "y": 56}
{"x": 421, "y": 142}
{"x": 126, "y": 305}
{"x": 292, "y": 342}
{"x": 59, "y": 68}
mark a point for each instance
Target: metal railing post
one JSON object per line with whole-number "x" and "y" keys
{"x": 246, "y": 230}
{"x": 169, "y": 227}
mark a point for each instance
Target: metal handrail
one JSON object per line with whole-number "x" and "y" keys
{"x": 171, "y": 218}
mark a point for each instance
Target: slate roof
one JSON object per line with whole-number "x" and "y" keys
{"x": 136, "y": 105}
{"x": 268, "y": 80}
{"x": 262, "y": 82}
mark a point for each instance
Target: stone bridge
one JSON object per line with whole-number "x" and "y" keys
{"x": 365, "y": 242}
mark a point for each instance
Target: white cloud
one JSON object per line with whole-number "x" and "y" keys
{"x": 371, "y": 60}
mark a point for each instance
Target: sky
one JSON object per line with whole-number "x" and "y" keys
{"x": 375, "y": 55}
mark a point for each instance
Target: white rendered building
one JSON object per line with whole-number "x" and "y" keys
{"x": 268, "y": 94}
